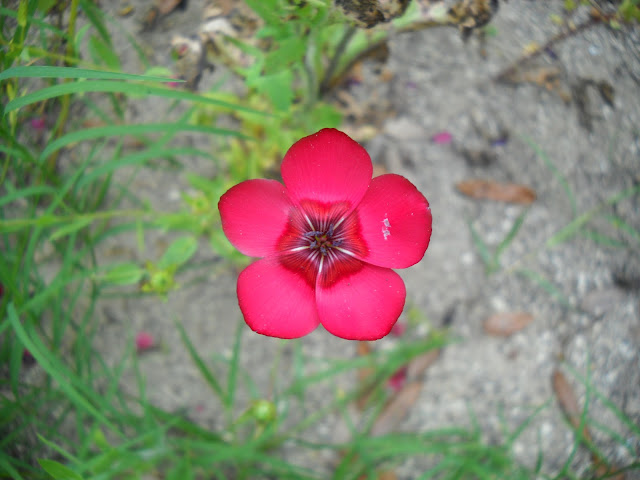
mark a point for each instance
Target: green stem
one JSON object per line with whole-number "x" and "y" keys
{"x": 66, "y": 99}
{"x": 325, "y": 86}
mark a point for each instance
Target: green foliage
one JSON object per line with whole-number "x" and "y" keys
{"x": 58, "y": 471}
{"x": 578, "y": 225}
{"x": 75, "y": 421}
{"x": 630, "y": 10}
{"x": 492, "y": 259}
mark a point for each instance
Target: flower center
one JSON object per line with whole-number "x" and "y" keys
{"x": 321, "y": 243}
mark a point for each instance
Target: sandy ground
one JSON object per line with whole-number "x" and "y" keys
{"x": 441, "y": 83}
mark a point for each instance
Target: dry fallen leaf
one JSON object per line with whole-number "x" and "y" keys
{"x": 571, "y": 409}
{"x": 500, "y": 192}
{"x": 549, "y": 77}
{"x": 126, "y": 11}
{"x": 568, "y": 401}
{"x": 387, "y": 475}
{"x": 418, "y": 365}
{"x": 167, "y": 6}
{"x": 507, "y": 323}
{"x": 397, "y": 408}
{"x": 160, "y": 9}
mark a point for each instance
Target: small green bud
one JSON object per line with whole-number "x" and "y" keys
{"x": 264, "y": 411}
{"x": 161, "y": 281}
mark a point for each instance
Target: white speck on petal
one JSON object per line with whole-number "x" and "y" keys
{"x": 386, "y": 225}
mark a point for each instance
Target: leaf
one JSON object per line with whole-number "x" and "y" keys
{"x": 57, "y": 470}
{"x": 546, "y": 285}
{"x": 277, "y": 86}
{"x": 507, "y": 323}
{"x": 500, "y": 192}
{"x": 70, "y": 228}
{"x": 178, "y": 252}
{"x": 571, "y": 409}
{"x": 387, "y": 475}
{"x": 124, "y": 274}
{"x": 397, "y": 408}
{"x": 288, "y": 52}
{"x": 568, "y": 401}
{"x": 100, "y": 50}
{"x": 266, "y": 9}
{"x": 73, "y": 72}
{"x": 165, "y": 7}
{"x": 110, "y": 86}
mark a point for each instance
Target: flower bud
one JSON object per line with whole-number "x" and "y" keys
{"x": 264, "y": 411}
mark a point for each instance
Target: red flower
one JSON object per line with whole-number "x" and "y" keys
{"x": 144, "y": 341}
{"x": 398, "y": 380}
{"x": 329, "y": 237}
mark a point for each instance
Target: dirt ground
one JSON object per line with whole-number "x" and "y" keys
{"x": 438, "y": 83}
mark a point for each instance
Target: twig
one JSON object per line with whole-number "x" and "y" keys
{"x": 511, "y": 70}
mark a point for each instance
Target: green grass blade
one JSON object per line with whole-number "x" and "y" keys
{"x": 506, "y": 241}
{"x": 120, "y": 130}
{"x": 481, "y": 246}
{"x": 111, "y": 86}
{"x": 26, "y": 192}
{"x": 620, "y": 224}
{"x": 57, "y": 470}
{"x": 7, "y": 468}
{"x": 232, "y": 378}
{"x": 556, "y": 173}
{"x": 602, "y": 239}
{"x": 52, "y": 370}
{"x": 622, "y": 417}
{"x": 197, "y": 359}
{"x": 72, "y": 72}
{"x": 136, "y": 158}
{"x": 34, "y": 21}
{"x": 546, "y": 285}
{"x": 572, "y": 228}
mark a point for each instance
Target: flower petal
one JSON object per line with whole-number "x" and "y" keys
{"x": 363, "y": 305}
{"x": 144, "y": 341}
{"x": 327, "y": 166}
{"x": 395, "y": 221}
{"x": 276, "y": 301}
{"x": 254, "y": 215}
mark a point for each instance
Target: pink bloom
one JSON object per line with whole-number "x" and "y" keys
{"x": 329, "y": 238}
{"x": 144, "y": 341}
{"x": 397, "y": 381}
{"x": 38, "y": 123}
{"x": 27, "y": 358}
{"x": 398, "y": 329}
{"x": 442, "y": 138}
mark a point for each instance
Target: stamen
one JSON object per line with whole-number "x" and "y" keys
{"x": 308, "y": 221}
{"x": 344, "y": 251}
